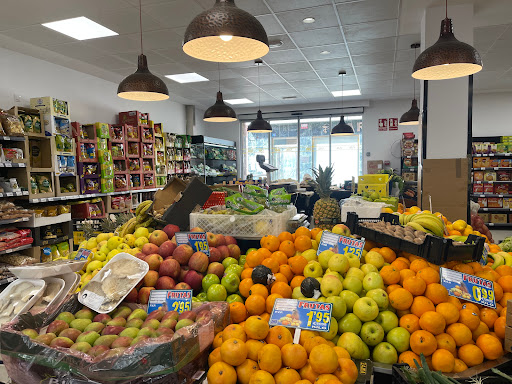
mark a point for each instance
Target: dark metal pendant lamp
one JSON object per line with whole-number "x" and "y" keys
{"x": 342, "y": 128}
{"x": 259, "y": 125}
{"x": 448, "y": 58}
{"x": 411, "y": 117}
{"x": 142, "y": 85}
{"x": 220, "y": 112}
{"x": 226, "y": 34}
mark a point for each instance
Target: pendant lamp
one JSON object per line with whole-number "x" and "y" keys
{"x": 142, "y": 85}
{"x": 448, "y": 58}
{"x": 342, "y": 129}
{"x": 259, "y": 125}
{"x": 220, "y": 112}
{"x": 411, "y": 117}
{"x": 226, "y": 34}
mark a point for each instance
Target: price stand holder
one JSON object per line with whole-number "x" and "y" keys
{"x": 170, "y": 300}
{"x": 468, "y": 287}
{"x": 197, "y": 240}
{"x": 340, "y": 244}
{"x": 82, "y": 254}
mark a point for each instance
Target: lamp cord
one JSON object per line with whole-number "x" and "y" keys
{"x": 342, "y": 96}
{"x": 414, "y": 80}
{"x": 446, "y": 8}
{"x": 218, "y": 70}
{"x": 259, "y": 88}
{"x": 140, "y": 24}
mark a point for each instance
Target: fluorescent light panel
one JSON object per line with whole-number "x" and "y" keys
{"x": 187, "y": 78}
{"x": 350, "y": 92}
{"x": 80, "y": 28}
{"x": 239, "y": 101}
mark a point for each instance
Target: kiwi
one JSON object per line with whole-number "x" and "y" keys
{"x": 418, "y": 241}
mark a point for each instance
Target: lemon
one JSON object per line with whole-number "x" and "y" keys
{"x": 139, "y": 243}
{"x": 123, "y": 247}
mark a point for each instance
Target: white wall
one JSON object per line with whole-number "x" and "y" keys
{"x": 91, "y": 99}
{"x": 491, "y": 114}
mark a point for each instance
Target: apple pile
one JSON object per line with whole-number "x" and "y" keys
{"x": 105, "y": 335}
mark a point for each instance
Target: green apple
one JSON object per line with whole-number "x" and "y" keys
{"x": 310, "y": 255}
{"x": 353, "y": 260}
{"x": 323, "y": 299}
{"x": 231, "y": 281}
{"x": 385, "y": 353}
{"x": 335, "y": 339}
{"x": 339, "y": 307}
{"x": 209, "y": 280}
{"x": 297, "y": 294}
{"x": 140, "y": 241}
{"x": 338, "y": 263}
{"x": 313, "y": 269}
{"x": 374, "y": 258}
{"x": 201, "y": 296}
{"x": 234, "y": 298}
{"x": 366, "y": 309}
{"x": 380, "y": 296}
{"x": 241, "y": 260}
{"x": 349, "y": 298}
{"x": 234, "y": 268}
{"x": 373, "y": 281}
{"x": 331, "y": 286}
{"x": 333, "y": 330}
{"x": 333, "y": 273}
{"x": 353, "y": 284}
{"x": 399, "y": 338}
{"x": 250, "y": 250}
{"x": 100, "y": 256}
{"x": 324, "y": 257}
{"x": 354, "y": 346}
{"x": 371, "y": 333}
{"x": 388, "y": 320}
{"x": 349, "y": 323}
{"x": 229, "y": 261}
{"x": 216, "y": 292}
{"x": 355, "y": 272}
{"x": 367, "y": 268}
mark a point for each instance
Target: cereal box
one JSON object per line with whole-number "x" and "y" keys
{"x": 499, "y": 218}
{"x": 478, "y": 188}
{"x": 507, "y": 163}
{"x": 486, "y": 162}
{"x": 495, "y": 162}
{"x": 489, "y": 189}
{"x": 503, "y": 175}
{"x": 490, "y": 176}
{"x": 494, "y": 202}
{"x": 484, "y": 216}
{"x": 507, "y": 202}
{"x": 478, "y": 176}
{"x": 477, "y": 162}
{"x": 501, "y": 189}
{"x": 493, "y": 148}
{"x": 482, "y": 201}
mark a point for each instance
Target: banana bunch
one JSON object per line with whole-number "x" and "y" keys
{"x": 143, "y": 219}
{"x": 425, "y": 222}
{"x": 127, "y": 228}
{"x": 500, "y": 258}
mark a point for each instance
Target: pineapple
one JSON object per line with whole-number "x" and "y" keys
{"x": 326, "y": 212}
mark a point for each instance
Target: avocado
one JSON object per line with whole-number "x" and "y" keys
{"x": 262, "y": 275}
{"x": 308, "y": 287}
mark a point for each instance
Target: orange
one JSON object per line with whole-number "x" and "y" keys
{"x": 455, "y": 301}
{"x": 390, "y": 275}
{"x": 410, "y": 322}
{"x": 369, "y": 245}
{"x": 498, "y": 292}
{"x": 221, "y": 373}
{"x": 471, "y": 355}
{"x": 502, "y": 311}
{"x": 280, "y": 257}
{"x": 326, "y": 378}
{"x": 469, "y": 318}
{"x": 421, "y": 304}
{"x": 464, "y": 268}
{"x": 217, "y": 340}
{"x": 284, "y": 236}
{"x": 286, "y": 270}
{"x": 405, "y": 273}
{"x": 256, "y": 328}
{"x": 254, "y": 259}
{"x": 460, "y": 333}
{"x": 279, "y": 336}
{"x": 233, "y": 351}
{"x": 347, "y": 371}
{"x": 459, "y": 366}
{"x": 237, "y": 311}
{"x": 303, "y": 243}
{"x": 432, "y": 322}
{"x": 304, "y": 381}
{"x": 297, "y": 264}
{"x": 287, "y": 376}
{"x": 341, "y": 352}
{"x": 491, "y": 346}
{"x": 246, "y": 273}
{"x": 504, "y": 270}
{"x": 430, "y": 275}
{"x": 271, "y": 263}
{"x": 269, "y": 358}
{"x": 255, "y": 304}
{"x": 436, "y": 293}
{"x": 323, "y": 359}
{"x": 315, "y": 232}
{"x": 415, "y": 284}
{"x": 423, "y": 342}
{"x": 400, "y": 299}
{"x": 443, "y": 360}
{"x": 305, "y": 335}
{"x": 303, "y": 231}
{"x": 418, "y": 264}
{"x": 262, "y": 377}
{"x": 296, "y": 282}
{"x": 253, "y": 347}
{"x": 480, "y": 330}
{"x": 279, "y": 277}
{"x": 499, "y": 326}
{"x": 477, "y": 267}
{"x": 506, "y": 297}
{"x": 506, "y": 283}
{"x": 287, "y": 247}
{"x": 265, "y": 252}
{"x": 400, "y": 264}
{"x": 388, "y": 254}
{"x": 408, "y": 357}
{"x": 270, "y": 242}
{"x": 445, "y": 341}
{"x": 392, "y": 287}
{"x": 309, "y": 344}
{"x": 488, "y": 316}
{"x": 282, "y": 289}
{"x": 245, "y": 370}
{"x": 259, "y": 289}
{"x": 471, "y": 306}
{"x": 449, "y": 312}
{"x": 269, "y": 304}
{"x": 307, "y": 373}
{"x": 234, "y": 331}
{"x": 214, "y": 356}
{"x": 294, "y": 356}
{"x": 245, "y": 286}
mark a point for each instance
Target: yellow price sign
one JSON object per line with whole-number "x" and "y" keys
{"x": 319, "y": 317}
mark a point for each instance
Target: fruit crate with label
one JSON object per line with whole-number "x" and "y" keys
{"x": 121, "y": 182}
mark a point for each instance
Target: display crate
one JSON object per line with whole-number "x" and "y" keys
{"x": 159, "y": 142}
{"x": 136, "y": 180}
{"x": 161, "y": 181}
{"x": 133, "y": 118}
{"x": 82, "y": 211}
{"x": 118, "y": 150}
{"x": 147, "y": 150}
{"x": 374, "y": 183}
{"x": 158, "y": 129}
{"x": 132, "y": 133}
{"x": 117, "y": 133}
{"x": 87, "y": 151}
{"x": 83, "y": 132}
{"x": 83, "y": 169}
{"x": 148, "y": 165}
{"x": 63, "y": 181}
{"x": 17, "y": 111}
{"x": 51, "y": 105}
{"x": 216, "y": 198}
{"x": 133, "y": 149}
{"x": 149, "y": 179}
{"x": 121, "y": 182}
{"x": 120, "y": 167}
{"x": 110, "y": 200}
{"x": 86, "y": 186}
{"x": 160, "y": 170}
{"x": 146, "y": 134}
{"x": 134, "y": 164}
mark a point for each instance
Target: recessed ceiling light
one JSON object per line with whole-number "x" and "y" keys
{"x": 349, "y": 92}
{"x": 325, "y": 52}
{"x": 289, "y": 97}
{"x": 275, "y": 44}
{"x": 80, "y": 28}
{"x": 187, "y": 78}
{"x": 309, "y": 20}
{"x": 239, "y": 101}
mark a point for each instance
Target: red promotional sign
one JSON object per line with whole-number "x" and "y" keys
{"x": 383, "y": 124}
{"x": 393, "y": 124}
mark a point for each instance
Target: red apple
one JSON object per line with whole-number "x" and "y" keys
{"x": 154, "y": 260}
{"x": 183, "y": 272}
{"x": 149, "y": 248}
{"x": 215, "y": 255}
{"x": 151, "y": 278}
{"x": 234, "y": 251}
{"x": 197, "y": 229}
{"x": 230, "y": 240}
{"x": 158, "y": 237}
{"x": 170, "y": 230}
{"x": 170, "y": 267}
{"x": 183, "y": 253}
{"x": 166, "y": 249}
{"x": 216, "y": 269}
{"x": 144, "y": 294}
{"x": 187, "y": 315}
{"x": 193, "y": 279}
{"x": 212, "y": 239}
{"x": 140, "y": 255}
{"x": 224, "y": 251}
{"x": 198, "y": 262}
{"x": 221, "y": 240}
{"x": 171, "y": 315}
{"x": 165, "y": 282}
{"x": 132, "y": 296}
{"x": 182, "y": 286}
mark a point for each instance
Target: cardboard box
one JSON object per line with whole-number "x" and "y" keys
{"x": 494, "y": 202}
{"x": 490, "y": 176}
{"x": 450, "y": 198}
{"x": 485, "y": 217}
{"x": 409, "y": 176}
{"x": 477, "y": 162}
{"x": 501, "y": 189}
{"x": 508, "y": 337}
{"x": 482, "y": 201}
{"x": 478, "y": 175}
{"x": 478, "y": 188}
{"x": 499, "y": 218}
{"x": 374, "y": 166}
{"x": 488, "y": 189}
{"x": 135, "y": 118}
{"x": 507, "y": 202}
{"x": 486, "y": 162}
{"x": 509, "y": 313}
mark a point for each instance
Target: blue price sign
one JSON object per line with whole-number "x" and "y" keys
{"x": 301, "y": 314}
{"x": 82, "y": 254}
{"x": 197, "y": 240}
{"x": 468, "y": 287}
{"x": 340, "y": 244}
{"x": 175, "y": 300}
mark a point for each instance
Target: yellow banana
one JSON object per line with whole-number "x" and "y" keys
{"x": 416, "y": 226}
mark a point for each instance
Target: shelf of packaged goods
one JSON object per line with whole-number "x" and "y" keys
{"x": 11, "y": 250}
{"x": 496, "y": 209}
{"x": 492, "y": 155}
{"x": 491, "y": 195}
{"x": 410, "y": 157}
{"x": 499, "y": 225}
{"x": 55, "y": 241}
{"x": 12, "y": 165}
{"x": 12, "y": 221}
{"x": 492, "y": 182}
{"x": 90, "y": 196}
{"x": 492, "y": 169}
{"x": 12, "y": 138}
{"x": 14, "y": 194}
{"x": 33, "y": 222}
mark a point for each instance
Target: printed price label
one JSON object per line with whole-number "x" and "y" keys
{"x": 468, "y": 287}
{"x": 82, "y": 254}
{"x": 176, "y": 300}
{"x": 340, "y": 244}
{"x": 301, "y": 314}
{"x": 197, "y": 240}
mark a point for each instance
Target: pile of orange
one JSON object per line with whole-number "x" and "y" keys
{"x": 256, "y": 353}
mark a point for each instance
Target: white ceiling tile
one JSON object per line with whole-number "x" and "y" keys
{"x": 489, "y": 34}
{"x": 38, "y": 35}
{"x": 176, "y": 13}
{"x": 126, "y": 20}
{"x": 169, "y": 68}
{"x": 307, "y": 84}
{"x": 374, "y": 58}
{"x": 254, "y": 7}
{"x": 153, "y": 58}
{"x": 111, "y": 62}
{"x": 268, "y": 79}
{"x": 116, "y": 44}
{"x": 378, "y": 68}
{"x": 372, "y": 30}
{"x": 332, "y": 64}
{"x": 78, "y": 50}
{"x": 368, "y": 10}
{"x": 371, "y": 46}
{"x": 271, "y": 25}
{"x": 290, "y": 5}
{"x": 252, "y": 71}
{"x": 404, "y": 66}
{"x": 291, "y": 67}
{"x": 296, "y": 76}
{"x": 334, "y": 83}
{"x": 330, "y": 73}
{"x": 224, "y": 74}
{"x": 315, "y": 53}
{"x": 159, "y": 39}
{"x": 286, "y": 43}
{"x": 406, "y": 55}
{"x": 313, "y": 38}
{"x": 323, "y": 15}
{"x": 405, "y": 41}
{"x": 287, "y": 56}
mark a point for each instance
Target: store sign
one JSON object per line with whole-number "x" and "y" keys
{"x": 82, "y": 254}
{"x": 302, "y": 314}
{"x": 177, "y": 300}
{"x": 393, "y": 124}
{"x": 303, "y": 126}
{"x": 197, "y": 240}
{"x": 383, "y": 124}
{"x": 468, "y": 287}
{"x": 340, "y": 244}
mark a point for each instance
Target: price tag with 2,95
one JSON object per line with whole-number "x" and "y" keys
{"x": 170, "y": 300}
{"x": 302, "y": 314}
{"x": 340, "y": 244}
{"x": 468, "y": 287}
{"x": 197, "y": 240}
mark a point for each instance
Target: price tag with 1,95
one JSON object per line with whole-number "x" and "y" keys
{"x": 197, "y": 240}
{"x": 340, "y": 244}
{"x": 170, "y": 300}
{"x": 468, "y": 287}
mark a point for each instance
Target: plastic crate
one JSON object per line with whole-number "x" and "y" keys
{"x": 374, "y": 183}
{"x": 216, "y": 198}
{"x": 244, "y": 226}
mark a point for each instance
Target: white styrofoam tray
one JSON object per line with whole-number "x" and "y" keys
{"x": 37, "y": 293}
{"x": 48, "y": 269}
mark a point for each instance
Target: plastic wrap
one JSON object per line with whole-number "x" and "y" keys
{"x": 167, "y": 359}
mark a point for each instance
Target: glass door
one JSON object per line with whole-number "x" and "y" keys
{"x": 284, "y": 149}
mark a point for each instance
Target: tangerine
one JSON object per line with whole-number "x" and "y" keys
{"x": 469, "y": 318}
{"x": 323, "y": 359}
{"x": 259, "y": 289}
{"x": 214, "y": 356}
{"x": 405, "y": 273}
{"x": 262, "y": 377}
{"x": 302, "y": 231}
{"x": 246, "y": 273}
{"x": 245, "y": 286}
{"x": 256, "y": 328}
{"x": 294, "y": 355}
{"x": 481, "y": 329}
{"x": 408, "y": 357}
{"x": 347, "y": 371}
{"x": 421, "y": 304}
{"x": 445, "y": 341}
{"x": 499, "y": 326}
{"x": 253, "y": 347}
{"x": 255, "y": 304}
{"x": 254, "y": 258}
{"x": 269, "y": 304}
{"x": 390, "y": 275}
{"x": 418, "y": 264}
{"x": 400, "y": 299}
{"x": 234, "y": 331}
{"x": 455, "y": 301}
{"x": 471, "y": 355}
{"x": 432, "y": 322}
{"x": 221, "y": 373}
{"x": 287, "y": 247}
{"x": 506, "y": 283}
{"x": 414, "y": 284}
{"x": 245, "y": 370}
{"x": 303, "y": 243}
{"x": 449, "y": 312}
{"x": 271, "y": 243}
{"x": 296, "y": 281}
{"x": 272, "y": 264}
{"x": 237, "y": 311}
{"x": 504, "y": 270}
{"x": 233, "y": 351}
{"x": 287, "y": 375}
{"x": 423, "y": 342}
{"x": 285, "y": 236}
{"x": 459, "y": 366}
{"x": 297, "y": 264}
{"x": 279, "y": 336}
{"x": 491, "y": 346}
{"x": 488, "y": 316}
{"x": 280, "y": 257}
{"x": 310, "y": 343}
{"x": 307, "y": 373}
{"x": 410, "y": 322}
{"x": 443, "y": 360}
{"x": 269, "y": 358}
{"x": 436, "y": 293}
{"x": 282, "y": 289}
{"x": 217, "y": 340}
{"x": 430, "y": 275}
{"x": 460, "y": 333}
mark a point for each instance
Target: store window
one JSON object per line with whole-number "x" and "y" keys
{"x": 297, "y": 145}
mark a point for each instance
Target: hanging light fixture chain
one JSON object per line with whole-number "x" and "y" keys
{"x": 140, "y": 25}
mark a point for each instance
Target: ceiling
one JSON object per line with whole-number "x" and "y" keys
{"x": 370, "y": 39}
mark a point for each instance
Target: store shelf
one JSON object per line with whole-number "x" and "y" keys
{"x": 14, "y": 194}
{"x": 492, "y": 155}
{"x": 499, "y": 225}
{"x": 491, "y": 195}
{"x": 492, "y": 182}
{"x": 12, "y": 138}
{"x": 496, "y": 209}
{"x": 33, "y": 221}
{"x": 492, "y": 169}
{"x": 12, "y": 165}
{"x": 12, "y": 221}
{"x": 11, "y": 250}
{"x": 55, "y": 241}
{"x": 90, "y": 196}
